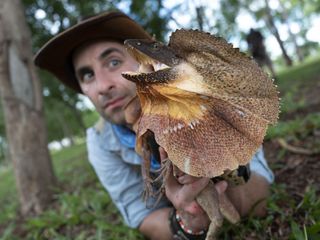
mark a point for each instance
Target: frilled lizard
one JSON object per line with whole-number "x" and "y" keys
{"x": 207, "y": 104}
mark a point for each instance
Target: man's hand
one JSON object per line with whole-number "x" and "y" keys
{"x": 132, "y": 112}
{"x": 182, "y": 189}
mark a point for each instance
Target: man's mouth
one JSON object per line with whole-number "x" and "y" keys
{"x": 118, "y": 102}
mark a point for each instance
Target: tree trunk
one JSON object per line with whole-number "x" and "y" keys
{"x": 21, "y": 97}
{"x": 285, "y": 16}
{"x": 200, "y": 16}
{"x": 274, "y": 30}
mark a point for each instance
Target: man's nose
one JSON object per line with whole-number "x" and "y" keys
{"x": 104, "y": 83}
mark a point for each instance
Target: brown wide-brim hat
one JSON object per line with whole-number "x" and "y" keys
{"x": 56, "y": 55}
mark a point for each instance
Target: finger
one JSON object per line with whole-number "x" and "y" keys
{"x": 177, "y": 172}
{"x": 196, "y": 222}
{"x": 187, "y": 179}
{"x": 172, "y": 186}
{"x": 221, "y": 187}
{"x": 194, "y": 208}
{"x": 189, "y": 191}
{"x": 163, "y": 154}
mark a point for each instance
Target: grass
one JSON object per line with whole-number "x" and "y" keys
{"x": 302, "y": 220}
{"x": 303, "y": 71}
{"x": 292, "y": 81}
{"x": 301, "y": 126}
{"x": 8, "y": 195}
{"x": 83, "y": 210}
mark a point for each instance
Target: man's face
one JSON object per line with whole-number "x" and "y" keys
{"x": 98, "y": 66}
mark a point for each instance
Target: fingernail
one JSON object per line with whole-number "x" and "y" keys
{"x": 222, "y": 186}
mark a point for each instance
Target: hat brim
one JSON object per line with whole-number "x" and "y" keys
{"x": 56, "y": 55}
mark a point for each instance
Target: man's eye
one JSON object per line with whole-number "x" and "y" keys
{"x": 87, "y": 77}
{"x": 114, "y": 63}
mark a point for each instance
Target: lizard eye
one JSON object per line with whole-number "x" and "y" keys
{"x": 156, "y": 46}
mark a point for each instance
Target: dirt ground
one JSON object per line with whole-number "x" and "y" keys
{"x": 299, "y": 167}
{"x": 296, "y": 160}
{"x": 299, "y": 164}
{"x": 297, "y": 171}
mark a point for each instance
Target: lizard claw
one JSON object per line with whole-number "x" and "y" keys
{"x": 148, "y": 190}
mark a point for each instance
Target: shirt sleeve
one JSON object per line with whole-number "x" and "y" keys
{"x": 122, "y": 180}
{"x": 259, "y": 165}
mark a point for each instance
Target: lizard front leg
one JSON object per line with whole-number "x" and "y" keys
{"x": 208, "y": 199}
{"x": 216, "y": 206}
{"x": 145, "y": 167}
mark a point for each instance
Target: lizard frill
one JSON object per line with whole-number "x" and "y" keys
{"x": 212, "y": 111}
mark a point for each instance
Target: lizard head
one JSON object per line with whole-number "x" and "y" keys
{"x": 155, "y": 59}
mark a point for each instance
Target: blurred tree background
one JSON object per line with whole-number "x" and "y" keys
{"x": 283, "y": 23}
{"x": 290, "y": 35}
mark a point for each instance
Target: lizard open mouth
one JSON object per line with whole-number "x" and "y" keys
{"x": 147, "y": 66}
{"x": 150, "y": 69}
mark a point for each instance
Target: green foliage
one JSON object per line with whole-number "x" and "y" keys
{"x": 64, "y": 119}
{"x": 297, "y": 233}
{"x": 309, "y": 69}
{"x": 295, "y": 83}
{"x": 301, "y": 127}
{"x": 227, "y": 26}
{"x": 82, "y": 208}
{"x": 8, "y": 195}
{"x": 3, "y": 140}
{"x": 90, "y": 117}
{"x": 303, "y": 218}
{"x": 70, "y": 153}
{"x": 150, "y": 15}
{"x": 310, "y": 208}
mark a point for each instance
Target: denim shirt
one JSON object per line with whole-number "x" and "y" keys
{"x": 118, "y": 168}
{"x": 128, "y": 139}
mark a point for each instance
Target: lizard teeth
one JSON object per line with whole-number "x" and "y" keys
{"x": 193, "y": 123}
{"x": 175, "y": 129}
{"x": 180, "y": 126}
{"x": 159, "y": 66}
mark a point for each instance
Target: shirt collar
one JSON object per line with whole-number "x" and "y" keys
{"x": 125, "y": 135}
{"x": 128, "y": 138}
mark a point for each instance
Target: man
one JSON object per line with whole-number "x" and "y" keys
{"x": 258, "y": 51}
{"x": 90, "y": 57}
